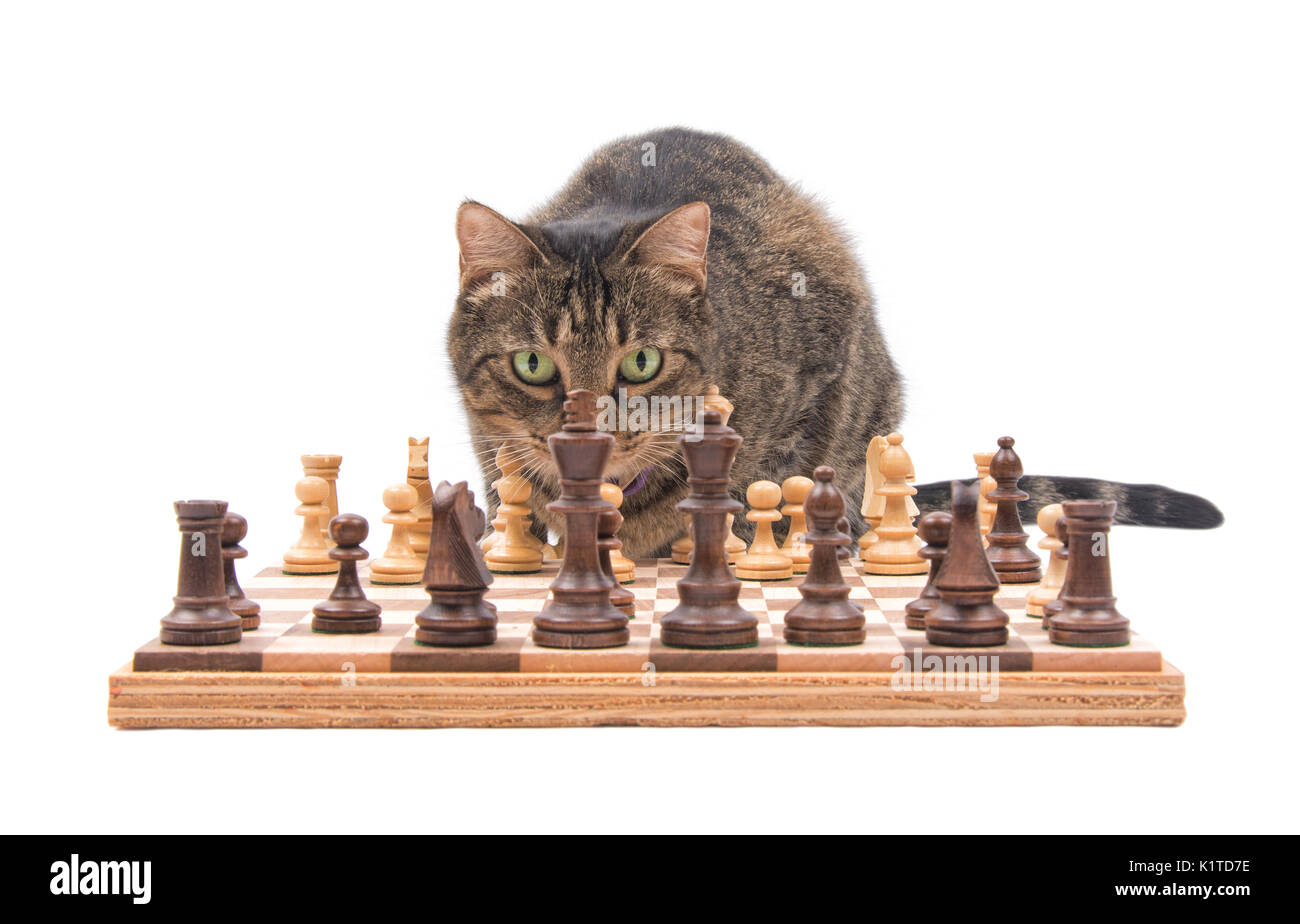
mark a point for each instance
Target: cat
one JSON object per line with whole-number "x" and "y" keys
{"x": 673, "y": 261}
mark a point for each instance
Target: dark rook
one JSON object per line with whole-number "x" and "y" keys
{"x": 1088, "y": 618}
{"x": 202, "y": 613}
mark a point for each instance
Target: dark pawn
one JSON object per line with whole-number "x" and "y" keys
{"x": 607, "y": 542}
{"x": 579, "y": 613}
{"x": 347, "y": 611}
{"x": 233, "y": 530}
{"x": 825, "y": 615}
{"x": 845, "y": 551}
{"x": 934, "y": 529}
{"x": 966, "y": 616}
{"x": 709, "y": 614}
{"x": 1052, "y": 607}
{"x": 1009, "y": 552}
{"x": 1088, "y": 618}
{"x": 202, "y": 614}
{"x": 455, "y": 575}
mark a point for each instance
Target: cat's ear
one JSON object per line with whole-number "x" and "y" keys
{"x": 678, "y": 242}
{"x": 490, "y": 243}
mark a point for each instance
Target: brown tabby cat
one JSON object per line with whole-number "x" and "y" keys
{"x": 669, "y": 262}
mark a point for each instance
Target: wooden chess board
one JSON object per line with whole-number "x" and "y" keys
{"x": 285, "y": 675}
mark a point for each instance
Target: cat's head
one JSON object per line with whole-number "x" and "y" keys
{"x": 602, "y": 304}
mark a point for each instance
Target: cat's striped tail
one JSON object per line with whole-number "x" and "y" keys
{"x": 1137, "y": 504}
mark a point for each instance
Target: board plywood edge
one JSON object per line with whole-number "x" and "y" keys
{"x": 235, "y": 699}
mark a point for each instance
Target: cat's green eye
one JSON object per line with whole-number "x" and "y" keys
{"x": 534, "y": 368}
{"x": 640, "y": 365}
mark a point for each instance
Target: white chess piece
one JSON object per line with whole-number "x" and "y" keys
{"x": 1054, "y": 576}
{"x": 515, "y": 550}
{"x": 400, "y": 564}
{"x": 310, "y": 554}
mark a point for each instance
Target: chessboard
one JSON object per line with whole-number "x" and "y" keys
{"x": 283, "y": 674}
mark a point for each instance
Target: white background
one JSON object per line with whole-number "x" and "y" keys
{"x": 226, "y": 240}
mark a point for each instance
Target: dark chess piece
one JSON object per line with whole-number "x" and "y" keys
{"x": 455, "y": 574}
{"x": 608, "y": 542}
{"x": 579, "y": 613}
{"x": 1088, "y": 618}
{"x": 966, "y": 615}
{"x": 844, "y": 552}
{"x": 347, "y": 611}
{"x": 825, "y": 615}
{"x": 1009, "y": 552}
{"x": 1052, "y": 607}
{"x": 233, "y": 530}
{"x": 709, "y": 614}
{"x": 201, "y": 615}
{"x": 934, "y": 529}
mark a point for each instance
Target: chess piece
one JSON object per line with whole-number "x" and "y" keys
{"x": 825, "y": 615}
{"x": 417, "y": 476}
{"x": 579, "y": 613}
{"x": 795, "y": 490}
{"x": 735, "y": 546}
{"x": 516, "y": 550}
{"x": 325, "y": 466}
{"x": 896, "y": 549}
{"x": 966, "y": 615}
{"x": 934, "y": 529}
{"x": 201, "y": 614}
{"x": 913, "y": 511}
{"x": 1054, "y": 606}
{"x": 1009, "y": 552}
{"x": 1051, "y": 586}
{"x": 709, "y": 614}
{"x": 609, "y": 544}
{"x": 844, "y": 553}
{"x": 873, "y": 504}
{"x": 987, "y": 508}
{"x": 310, "y": 554}
{"x": 399, "y": 564}
{"x": 1089, "y": 618}
{"x": 455, "y": 575}
{"x": 554, "y": 552}
{"x": 347, "y": 611}
{"x": 764, "y": 561}
{"x": 681, "y": 547}
{"x": 233, "y": 530}
{"x": 622, "y": 568}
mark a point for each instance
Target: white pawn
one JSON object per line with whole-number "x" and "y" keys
{"x": 795, "y": 491}
{"x": 623, "y": 567}
{"x": 764, "y": 561}
{"x": 400, "y": 564}
{"x": 515, "y": 550}
{"x": 1054, "y": 576}
{"x": 310, "y": 555}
